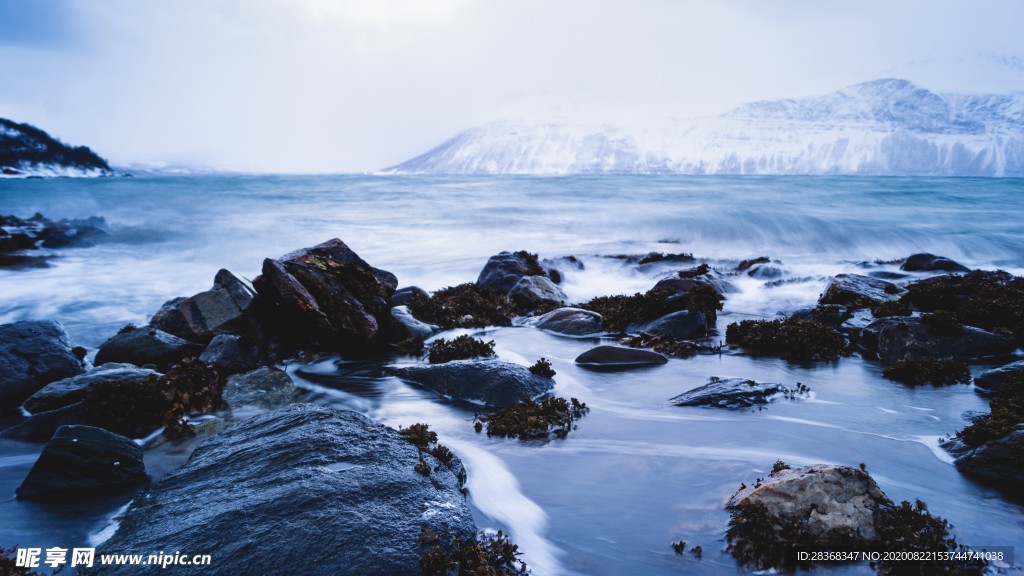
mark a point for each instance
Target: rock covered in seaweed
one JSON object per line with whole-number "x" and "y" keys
{"x": 74, "y": 389}
{"x": 505, "y": 269}
{"x": 856, "y": 291}
{"x": 996, "y": 379}
{"x": 734, "y": 393}
{"x": 33, "y": 353}
{"x": 932, "y": 336}
{"x": 354, "y": 502}
{"x": 925, "y": 262}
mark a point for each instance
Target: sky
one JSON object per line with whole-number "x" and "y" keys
{"x": 322, "y": 86}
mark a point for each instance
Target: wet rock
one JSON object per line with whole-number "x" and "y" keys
{"x": 993, "y": 301}
{"x": 997, "y": 379}
{"x": 998, "y": 460}
{"x": 745, "y": 265}
{"x": 556, "y": 268}
{"x": 40, "y": 427}
{"x": 826, "y": 506}
{"x": 74, "y": 389}
{"x": 463, "y": 306}
{"x": 533, "y": 291}
{"x": 682, "y": 325}
{"x": 231, "y": 354}
{"x": 904, "y": 338}
{"x": 669, "y": 346}
{"x": 347, "y": 486}
{"x": 765, "y": 272}
{"x": 792, "y": 339}
{"x": 146, "y": 346}
{"x": 827, "y": 314}
{"x": 619, "y": 358}
{"x": 327, "y": 293}
{"x": 731, "y": 393}
{"x": 856, "y": 291}
{"x": 81, "y": 462}
{"x": 887, "y": 275}
{"x": 489, "y": 382}
{"x": 569, "y": 321}
{"x": 33, "y": 353}
{"x": 265, "y": 387}
{"x": 505, "y": 269}
{"x": 702, "y": 275}
{"x": 925, "y": 262}
{"x": 402, "y": 296}
{"x": 412, "y": 327}
{"x": 221, "y": 309}
{"x": 170, "y": 319}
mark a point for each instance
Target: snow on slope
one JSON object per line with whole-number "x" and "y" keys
{"x": 884, "y": 127}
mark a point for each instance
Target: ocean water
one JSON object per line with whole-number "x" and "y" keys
{"x": 638, "y": 474}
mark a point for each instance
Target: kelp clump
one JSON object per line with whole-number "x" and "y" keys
{"x": 667, "y": 345}
{"x": 193, "y": 387}
{"x": 990, "y": 300}
{"x": 425, "y": 440}
{"x": 621, "y": 311}
{"x": 928, "y": 371}
{"x": 1006, "y": 412}
{"x": 662, "y": 257}
{"x": 913, "y": 529}
{"x": 889, "y": 308}
{"x": 792, "y": 339}
{"x": 489, "y": 555}
{"x": 543, "y": 368}
{"x": 533, "y": 420}
{"x": 463, "y": 306}
{"x": 461, "y": 348}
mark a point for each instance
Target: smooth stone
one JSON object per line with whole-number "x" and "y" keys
{"x": 502, "y": 271}
{"x": 569, "y": 321}
{"x": 413, "y": 327}
{"x": 909, "y": 337}
{"x": 230, "y": 354}
{"x": 40, "y": 427}
{"x": 925, "y": 262}
{"x": 618, "y": 357}
{"x": 537, "y": 290}
{"x": 856, "y": 291}
{"x": 682, "y": 325}
{"x": 491, "y": 383}
{"x": 402, "y": 296}
{"x": 146, "y": 346}
{"x": 74, "y": 389}
{"x": 264, "y": 387}
{"x": 33, "y": 353}
{"x": 997, "y": 379}
{"x": 729, "y": 393}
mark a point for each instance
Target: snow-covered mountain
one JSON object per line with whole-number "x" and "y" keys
{"x": 883, "y": 127}
{"x": 28, "y": 151}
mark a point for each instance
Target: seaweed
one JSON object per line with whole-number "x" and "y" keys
{"x": 486, "y": 555}
{"x": 699, "y": 270}
{"x": 193, "y": 387}
{"x": 914, "y": 529}
{"x": 928, "y": 371}
{"x": 942, "y": 323}
{"x": 530, "y": 419}
{"x": 792, "y": 339}
{"x": 463, "y": 306}
{"x": 621, "y": 311}
{"x": 899, "y": 307}
{"x": 779, "y": 466}
{"x": 990, "y": 300}
{"x": 1006, "y": 411}
{"x": 533, "y": 267}
{"x": 543, "y": 368}
{"x": 425, "y": 440}
{"x": 461, "y": 348}
{"x": 661, "y": 257}
{"x": 667, "y": 345}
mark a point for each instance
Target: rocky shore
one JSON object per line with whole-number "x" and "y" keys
{"x": 367, "y": 499}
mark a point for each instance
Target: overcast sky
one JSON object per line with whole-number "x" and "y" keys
{"x": 357, "y": 85}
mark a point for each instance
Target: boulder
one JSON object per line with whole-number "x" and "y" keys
{"x": 402, "y": 296}
{"x": 146, "y": 346}
{"x": 74, "y": 389}
{"x": 327, "y": 293}
{"x": 300, "y": 486}
{"x": 411, "y": 326}
{"x": 569, "y": 321}
{"x": 710, "y": 277}
{"x": 910, "y": 337}
{"x": 505, "y": 269}
{"x": 533, "y": 291}
{"x": 730, "y": 393}
{"x": 856, "y": 291}
{"x": 33, "y": 353}
{"x": 231, "y": 354}
{"x": 828, "y": 314}
{"x": 40, "y": 427}
{"x": 606, "y": 357}
{"x": 556, "y": 268}
{"x": 170, "y": 319}
{"x": 264, "y": 387}
{"x": 682, "y": 325}
{"x": 221, "y": 309}
{"x": 83, "y": 462}
{"x": 998, "y": 460}
{"x": 997, "y": 379}
{"x": 492, "y": 383}
{"x": 832, "y": 506}
{"x": 925, "y": 262}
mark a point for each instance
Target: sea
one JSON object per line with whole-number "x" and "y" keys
{"x": 638, "y": 473}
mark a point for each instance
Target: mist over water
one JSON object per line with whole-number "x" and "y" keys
{"x": 638, "y": 473}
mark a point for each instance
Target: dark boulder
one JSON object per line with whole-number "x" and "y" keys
{"x": 327, "y": 294}
{"x": 82, "y": 462}
{"x": 856, "y": 291}
{"x": 231, "y": 354}
{"x": 700, "y": 276}
{"x": 40, "y": 427}
{"x": 533, "y": 291}
{"x": 490, "y": 382}
{"x": 569, "y": 321}
{"x": 402, "y": 296}
{"x": 730, "y": 393}
{"x": 300, "y": 486}
{"x": 221, "y": 309}
{"x": 925, "y": 262}
{"x": 996, "y": 379}
{"x": 265, "y": 387}
{"x": 33, "y": 353}
{"x": 146, "y": 346}
{"x": 505, "y": 269}
{"x": 682, "y": 325}
{"x": 74, "y": 389}
{"x": 170, "y": 319}
{"x": 905, "y": 338}
{"x": 606, "y": 357}
{"x": 998, "y": 460}
{"x": 827, "y": 314}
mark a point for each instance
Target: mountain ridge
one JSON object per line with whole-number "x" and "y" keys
{"x": 29, "y": 151}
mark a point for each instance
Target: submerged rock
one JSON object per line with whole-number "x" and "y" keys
{"x": 412, "y": 327}
{"x": 74, "y": 389}
{"x": 732, "y": 393}
{"x": 402, "y": 296}
{"x": 146, "y": 346}
{"x": 619, "y": 358}
{"x": 347, "y": 487}
{"x": 905, "y": 338}
{"x": 33, "y": 353}
{"x": 265, "y": 387}
{"x": 489, "y": 382}
{"x": 568, "y": 321}
{"x": 82, "y": 462}
{"x": 925, "y": 262}
{"x": 996, "y": 379}
{"x": 856, "y": 291}
{"x": 682, "y": 325}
